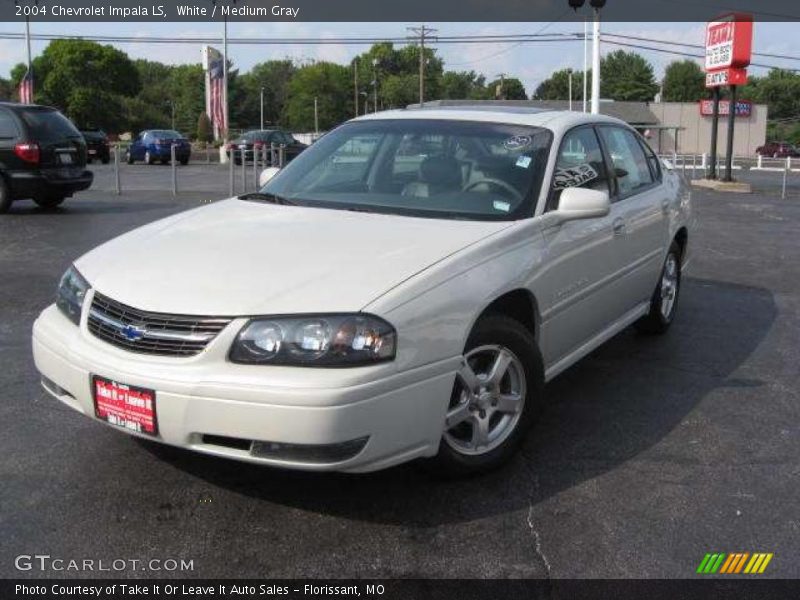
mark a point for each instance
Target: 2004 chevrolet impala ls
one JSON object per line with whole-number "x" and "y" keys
{"x": 403, "y": 289}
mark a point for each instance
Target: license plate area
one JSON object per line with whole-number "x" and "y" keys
{"x": 64, "y": 158}
{"x": 125, "y": 406}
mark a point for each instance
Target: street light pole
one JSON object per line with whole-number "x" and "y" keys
{"x": 225, "y": 78}
{"x": 569, "y": 75}
{"x": 262, "y": 108}
{"x": 374, "y": 85}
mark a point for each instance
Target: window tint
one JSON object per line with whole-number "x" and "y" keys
{"x": 652, "y": 159}
{"x": 8, "y": 126}
{"x": 579, "y": 164}
{"x": 48, "y": 124}
{"x": 628, "y": 158}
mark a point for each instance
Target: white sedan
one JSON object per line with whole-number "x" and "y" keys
{"x": 403, "y": 289}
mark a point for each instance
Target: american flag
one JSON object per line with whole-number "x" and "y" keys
{"x": 217, "y": 79}
{"x": 26, "y": 88}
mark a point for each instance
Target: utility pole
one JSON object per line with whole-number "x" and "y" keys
{"x": 422, "y": 32}
{"x": 502, "y": 87}
{"x": 316, "y": 116}
{"x": 596, "y": 62}
{"x": 585, "y": 62}
{"x": 355, "y": 85}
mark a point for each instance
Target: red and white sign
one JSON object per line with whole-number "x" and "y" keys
{"x": 125, "y": 406}
{"x": 729, "y": 42}
{"x": 744, "y": 108}
{"x": 726, "y": 77}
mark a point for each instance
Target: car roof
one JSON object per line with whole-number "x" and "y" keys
{"x": 556, "y": 120}
{"x": 19, "y": 105}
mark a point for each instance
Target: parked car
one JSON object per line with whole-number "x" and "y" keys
{"x": 155, "y": 145}
{"x": 256, "y": 140}
{"x": 778, "y": 150}
{"x": 42, "y": 156}
{"x": 97, "y": 145}
{"x": 402, "y": 289}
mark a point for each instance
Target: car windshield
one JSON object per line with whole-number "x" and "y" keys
{"x": 48, "y": 124}
{"x": 251, "y": 136}
{"x": 421, "y": 167}
{"x": 165, "y": 134}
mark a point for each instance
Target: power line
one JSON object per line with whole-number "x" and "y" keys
{"x": 689, "y": 54}
{"x": 700, "y": 46}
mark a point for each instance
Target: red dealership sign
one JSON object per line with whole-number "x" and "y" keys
{"x": 744, "y": 108}
{"x": 729, "y": 46}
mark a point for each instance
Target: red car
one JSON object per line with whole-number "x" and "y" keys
{"x": 778, "y": 150}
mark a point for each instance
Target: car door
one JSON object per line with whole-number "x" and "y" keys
{"x": 137, "y": 147}
{"x": 641, "y": 207}
{"x": 577, "y": 293}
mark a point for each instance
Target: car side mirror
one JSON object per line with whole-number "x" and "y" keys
{"x": 266, "y": 175}
{"x": 582, "y": 203}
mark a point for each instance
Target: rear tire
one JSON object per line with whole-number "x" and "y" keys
{"x": 184, "y": 161}
{"x": 496, "y": 397}
{"x": 106, "y": 160}
{"x": 148, "y": 158}
{"x": 5, "y": 196}
{"x": 49, "y": 202}
{"x": 664, "y": 302}
{"x": 129, "y": 157}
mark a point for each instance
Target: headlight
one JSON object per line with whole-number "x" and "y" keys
{"x": 315, "y": 341}
{"x": 71, "y": 291}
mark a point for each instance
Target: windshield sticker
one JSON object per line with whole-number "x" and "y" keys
{"x": 517, "y": 142}
{"x": 524, "y": 161}
{"x": 574, "y": 176}
{"x": 500, "y": 205}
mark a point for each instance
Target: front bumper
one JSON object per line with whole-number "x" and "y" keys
{"x": 204, "y": 402}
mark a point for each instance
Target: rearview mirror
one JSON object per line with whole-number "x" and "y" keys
{"x": 582, "y": 203}
{"x": 266, "y": 175}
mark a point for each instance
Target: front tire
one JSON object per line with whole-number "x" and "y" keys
{"x": 495, "y": 399}
{"x": 664, "y": 302}
{"x": 129, "y": 157}
{"x": 148, "y": 158}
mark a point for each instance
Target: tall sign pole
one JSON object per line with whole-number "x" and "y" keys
{"x": 729, "y": 46}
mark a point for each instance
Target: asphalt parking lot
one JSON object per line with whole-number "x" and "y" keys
{"x": 651, "y": 452}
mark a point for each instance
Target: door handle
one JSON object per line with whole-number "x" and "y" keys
{"x": 618, "y": 226}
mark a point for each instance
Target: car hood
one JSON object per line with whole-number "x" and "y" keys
{"x": 238, "y": 258}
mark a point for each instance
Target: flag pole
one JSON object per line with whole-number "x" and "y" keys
{"x": 225, "y": 75}
{"x": 29, "y": 74}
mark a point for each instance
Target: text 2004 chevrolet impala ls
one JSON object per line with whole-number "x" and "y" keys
{"x": 403, "y": 289}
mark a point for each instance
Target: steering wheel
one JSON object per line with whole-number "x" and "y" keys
{"x": 497, "y": 183}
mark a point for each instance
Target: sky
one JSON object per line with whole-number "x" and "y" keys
{"x": 532, "y": 63}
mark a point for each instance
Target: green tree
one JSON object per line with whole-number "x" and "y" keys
{"x": 463, "y": 85}
{"x": 627, "y": 76}
{"x": 509, "y": 88}
{"x": 556, "y": 87}
{"x": 70, "y": 72}
{"x": 6, "y": 89}
{"x": 684, "y": 81}
{"x": 274, "y": 76}
{"x": 330, "y": 84}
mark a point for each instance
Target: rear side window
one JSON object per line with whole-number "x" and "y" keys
{"x": 630, "y": 163}
{"x": 579, "y": 164}
{"x": 8, "y": 126}
{"x": 48, "y": 124}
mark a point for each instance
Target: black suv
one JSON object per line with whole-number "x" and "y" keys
{"x": 96, "y": 145}
{"x": 42, "y": 156}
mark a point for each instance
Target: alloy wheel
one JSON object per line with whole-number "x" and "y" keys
{"x": 487, "y": 400}
{"x": 669, "y": 286}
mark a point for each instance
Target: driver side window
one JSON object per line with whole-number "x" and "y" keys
{"x": 579, "y": 163}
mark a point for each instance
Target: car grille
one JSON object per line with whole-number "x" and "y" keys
{"x": 151, "y": 333}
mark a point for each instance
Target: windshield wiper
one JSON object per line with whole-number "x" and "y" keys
{"x": 273, "y": 198}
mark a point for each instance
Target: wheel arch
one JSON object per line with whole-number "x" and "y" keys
{"x": 519, "y": 304}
